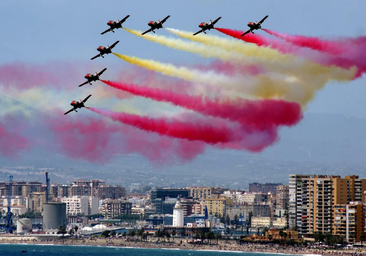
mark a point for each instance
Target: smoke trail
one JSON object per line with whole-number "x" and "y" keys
{"x": 262, "y": 86}
{"x": 86, "y": 139}
{"x": 259, "y": 114}
{"x": 209, "y": 78}
{"x": 349, "y": 51}
{"x": 188, "y": 46}
{"x": 25, "y": 76}
{"x": 272, "y": 60}
{"x": 314, "y": 43}
{"x": 212, "y": 132}
{"x": 11, "y": 141}
{"x": 353, "y": 68}
{"x": 206, "y": 132}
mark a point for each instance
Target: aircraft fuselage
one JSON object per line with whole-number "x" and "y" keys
{"x": 154, "y": 25}
{"x": 254, "y": 25}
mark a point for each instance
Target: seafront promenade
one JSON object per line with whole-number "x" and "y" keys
{"x": 220, "y": 245}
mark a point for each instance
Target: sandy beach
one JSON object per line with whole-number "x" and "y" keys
{"x": 222, "y": 245}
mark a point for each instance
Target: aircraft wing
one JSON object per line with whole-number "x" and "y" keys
{"x": 69, "y": 111}
{"x": 84, "y": 100}
{"x": 124, "y": 19}
{"x": 198, "y": 32}
{"x": 83, "y": 83}
{"x": 113, "y": 45}
{"x": 147, "y": 31}
{"x": 101, "y": 72}
{"x": 106, "y": 31}
{"x": 96, "y": 56}
{"x": 246, "y": 32}
{"x": 263, "y": 19}
{"x": 163, "y": 20}
{"x": 216, "y": 20}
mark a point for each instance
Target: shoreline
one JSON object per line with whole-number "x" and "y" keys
{"x": 181, "y": 244}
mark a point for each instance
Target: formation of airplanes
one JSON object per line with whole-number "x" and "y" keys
{"x": 153, "y": 25}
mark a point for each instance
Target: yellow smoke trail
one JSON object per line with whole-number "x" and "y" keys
{"x": 261, "y": 86}
{"x": 284, "y": 63}
{"x": 173, "y": 71}
{"x": 307, "y": 76}
{"x": 196, "y": 48}
{"x": 223, "y": 54}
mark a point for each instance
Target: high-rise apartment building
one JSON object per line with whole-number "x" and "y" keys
{"x": 313, "y": 198}
{"x": 349, "y": 221}
{"x": 200, "y": 193}
{"x": 114, "y": 208}
{"x": 282, "y": 197}
{"x": 81, "y": 205}
{"x": 264, "y": 188}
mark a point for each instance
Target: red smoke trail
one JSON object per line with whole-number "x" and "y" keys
{"x": 255, "y": 140}
{"x": 200, "y": 131}
{"x": 259, "y": 114}
{"x": 348, "y": 51}
{"x": 331, "y": 47}
{"x": 346, "y": 62}
{"x": 250, "y": 38}
{"x": 96, "y": 141}
{"x": 160, "y": 149}
{"x": 25, "y": 76}
{"x": 86, "y": 139}
{"x": 11, "y": 142}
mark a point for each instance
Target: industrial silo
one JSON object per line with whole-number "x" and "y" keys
{"x": 24, "y": 225}
{"x": 54, "y": 216}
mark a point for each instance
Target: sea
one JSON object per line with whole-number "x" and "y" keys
{"x": 58, "y": 250}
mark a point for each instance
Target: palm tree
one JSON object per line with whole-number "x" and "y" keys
{"x": 174, "y": 233}
{"x": 140, "y": 233}
{"x": 284, "y": 235}
{"x": 62, "y": 230}
{"x": 218, "y": 236}
{"x": 210, "y": 236}
{"x": 132, "y": 233}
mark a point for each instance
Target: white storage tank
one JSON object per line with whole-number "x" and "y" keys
{"x": 24, "y": 225}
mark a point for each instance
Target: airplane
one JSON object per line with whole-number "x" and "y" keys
{"x": 104, "y": 50}
{"x": 155, "y": 25}
{"x": 254, "y": 25}
{"x": 92, "y": 77}
{"x": 77, "y": 104}
{"x": 206, "y": 26}
{"x": 115, "y": 24}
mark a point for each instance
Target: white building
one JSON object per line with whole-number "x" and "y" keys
{"x": 250, "y": 197}
{"x": 81, "y": 205}
{"x": 261, "y": 222}
{"x": 15, "y": 200}
{"x": 178, "y": 216}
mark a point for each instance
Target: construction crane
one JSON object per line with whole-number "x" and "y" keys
{"x": 47, "y": 187}
{"x": 9, "y": 223}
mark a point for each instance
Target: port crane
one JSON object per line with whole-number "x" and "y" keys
{"x": 9, "y": 222}
{"x": 47, "y": 187}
